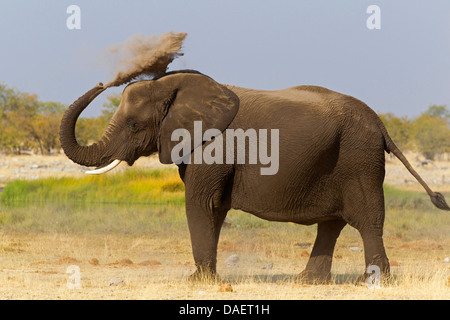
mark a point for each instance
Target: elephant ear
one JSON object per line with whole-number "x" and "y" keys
{"x": 198, "y": 98}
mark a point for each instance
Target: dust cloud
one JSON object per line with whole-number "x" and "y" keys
{"x": 149, "y": 56}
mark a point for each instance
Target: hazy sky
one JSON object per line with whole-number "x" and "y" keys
{"x": 402, "y": 68}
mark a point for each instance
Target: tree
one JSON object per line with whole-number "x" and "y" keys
{"x": 27, "y": 123}
{"x": 44, "y": 126}
{"x": 89, "y": 130}
{"x": 438, "y": 112}
{"x": 431, "y": 132}
{"x": 399, "y": 129}
{"x": 110, "y": 107}
{"x": 17, "y": 109}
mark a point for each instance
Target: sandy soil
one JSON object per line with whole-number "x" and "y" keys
{"x": 126, "y": 267}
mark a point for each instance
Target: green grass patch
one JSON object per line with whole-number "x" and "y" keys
{"x": 139, "y": 186}
{"x": 138, "y": 201}
{"x": 403, "y": 199}
{"x": 158, "y": 186}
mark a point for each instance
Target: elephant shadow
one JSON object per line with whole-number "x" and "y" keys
{"x": 337, "y": 279}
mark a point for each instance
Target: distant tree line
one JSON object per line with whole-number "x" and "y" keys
{"x": 30, "y": 125}
{"x": 428, "y": 134}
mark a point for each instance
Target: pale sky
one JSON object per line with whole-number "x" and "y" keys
{"x": 402, "y": 68}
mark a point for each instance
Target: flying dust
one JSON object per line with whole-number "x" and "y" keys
{"x": 149, "y": 56}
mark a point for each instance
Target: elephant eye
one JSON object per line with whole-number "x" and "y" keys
{"x": 132, "y": 125}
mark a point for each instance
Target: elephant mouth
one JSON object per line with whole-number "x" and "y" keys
{"x": 105, "y": 168}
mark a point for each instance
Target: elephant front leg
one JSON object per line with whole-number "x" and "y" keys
{"x": 204, "y": 228}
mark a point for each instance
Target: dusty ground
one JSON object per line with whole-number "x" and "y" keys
{"x": 120, "y": 267}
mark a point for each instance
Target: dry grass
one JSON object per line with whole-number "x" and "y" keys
{"x": 33, "y": 266}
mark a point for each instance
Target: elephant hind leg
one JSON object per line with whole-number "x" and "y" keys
{"x": 375, "y": 256}
{"x": 364, "y": 210}
{"x": 318, "y": 268}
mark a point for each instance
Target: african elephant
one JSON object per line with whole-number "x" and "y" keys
{"x": 331, "y": 159}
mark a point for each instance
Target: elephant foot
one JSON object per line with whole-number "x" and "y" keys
{"x": 315, "y": 278}
{"x": 206, "y": 277}
{"x": 361, "y": 280}
{"x": 373, "y": 280}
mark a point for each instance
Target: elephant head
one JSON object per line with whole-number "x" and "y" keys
{"x": 148, "y": 113}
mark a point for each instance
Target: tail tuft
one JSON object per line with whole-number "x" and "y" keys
{"x": 439, "y": 201}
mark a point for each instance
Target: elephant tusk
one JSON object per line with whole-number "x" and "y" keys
{"x": 109, "y": 167}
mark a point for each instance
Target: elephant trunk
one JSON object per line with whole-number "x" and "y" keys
{"x": 89, "y": 156}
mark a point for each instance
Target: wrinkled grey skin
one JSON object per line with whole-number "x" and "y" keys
{"x": 331, "y": 152}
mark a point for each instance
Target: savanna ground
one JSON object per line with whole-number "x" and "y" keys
{"x": 134, "y": 250}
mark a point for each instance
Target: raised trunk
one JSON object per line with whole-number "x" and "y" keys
{"x": 89, "y": 156}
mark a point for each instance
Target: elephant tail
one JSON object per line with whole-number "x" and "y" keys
{"x": 436, "y": 198}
